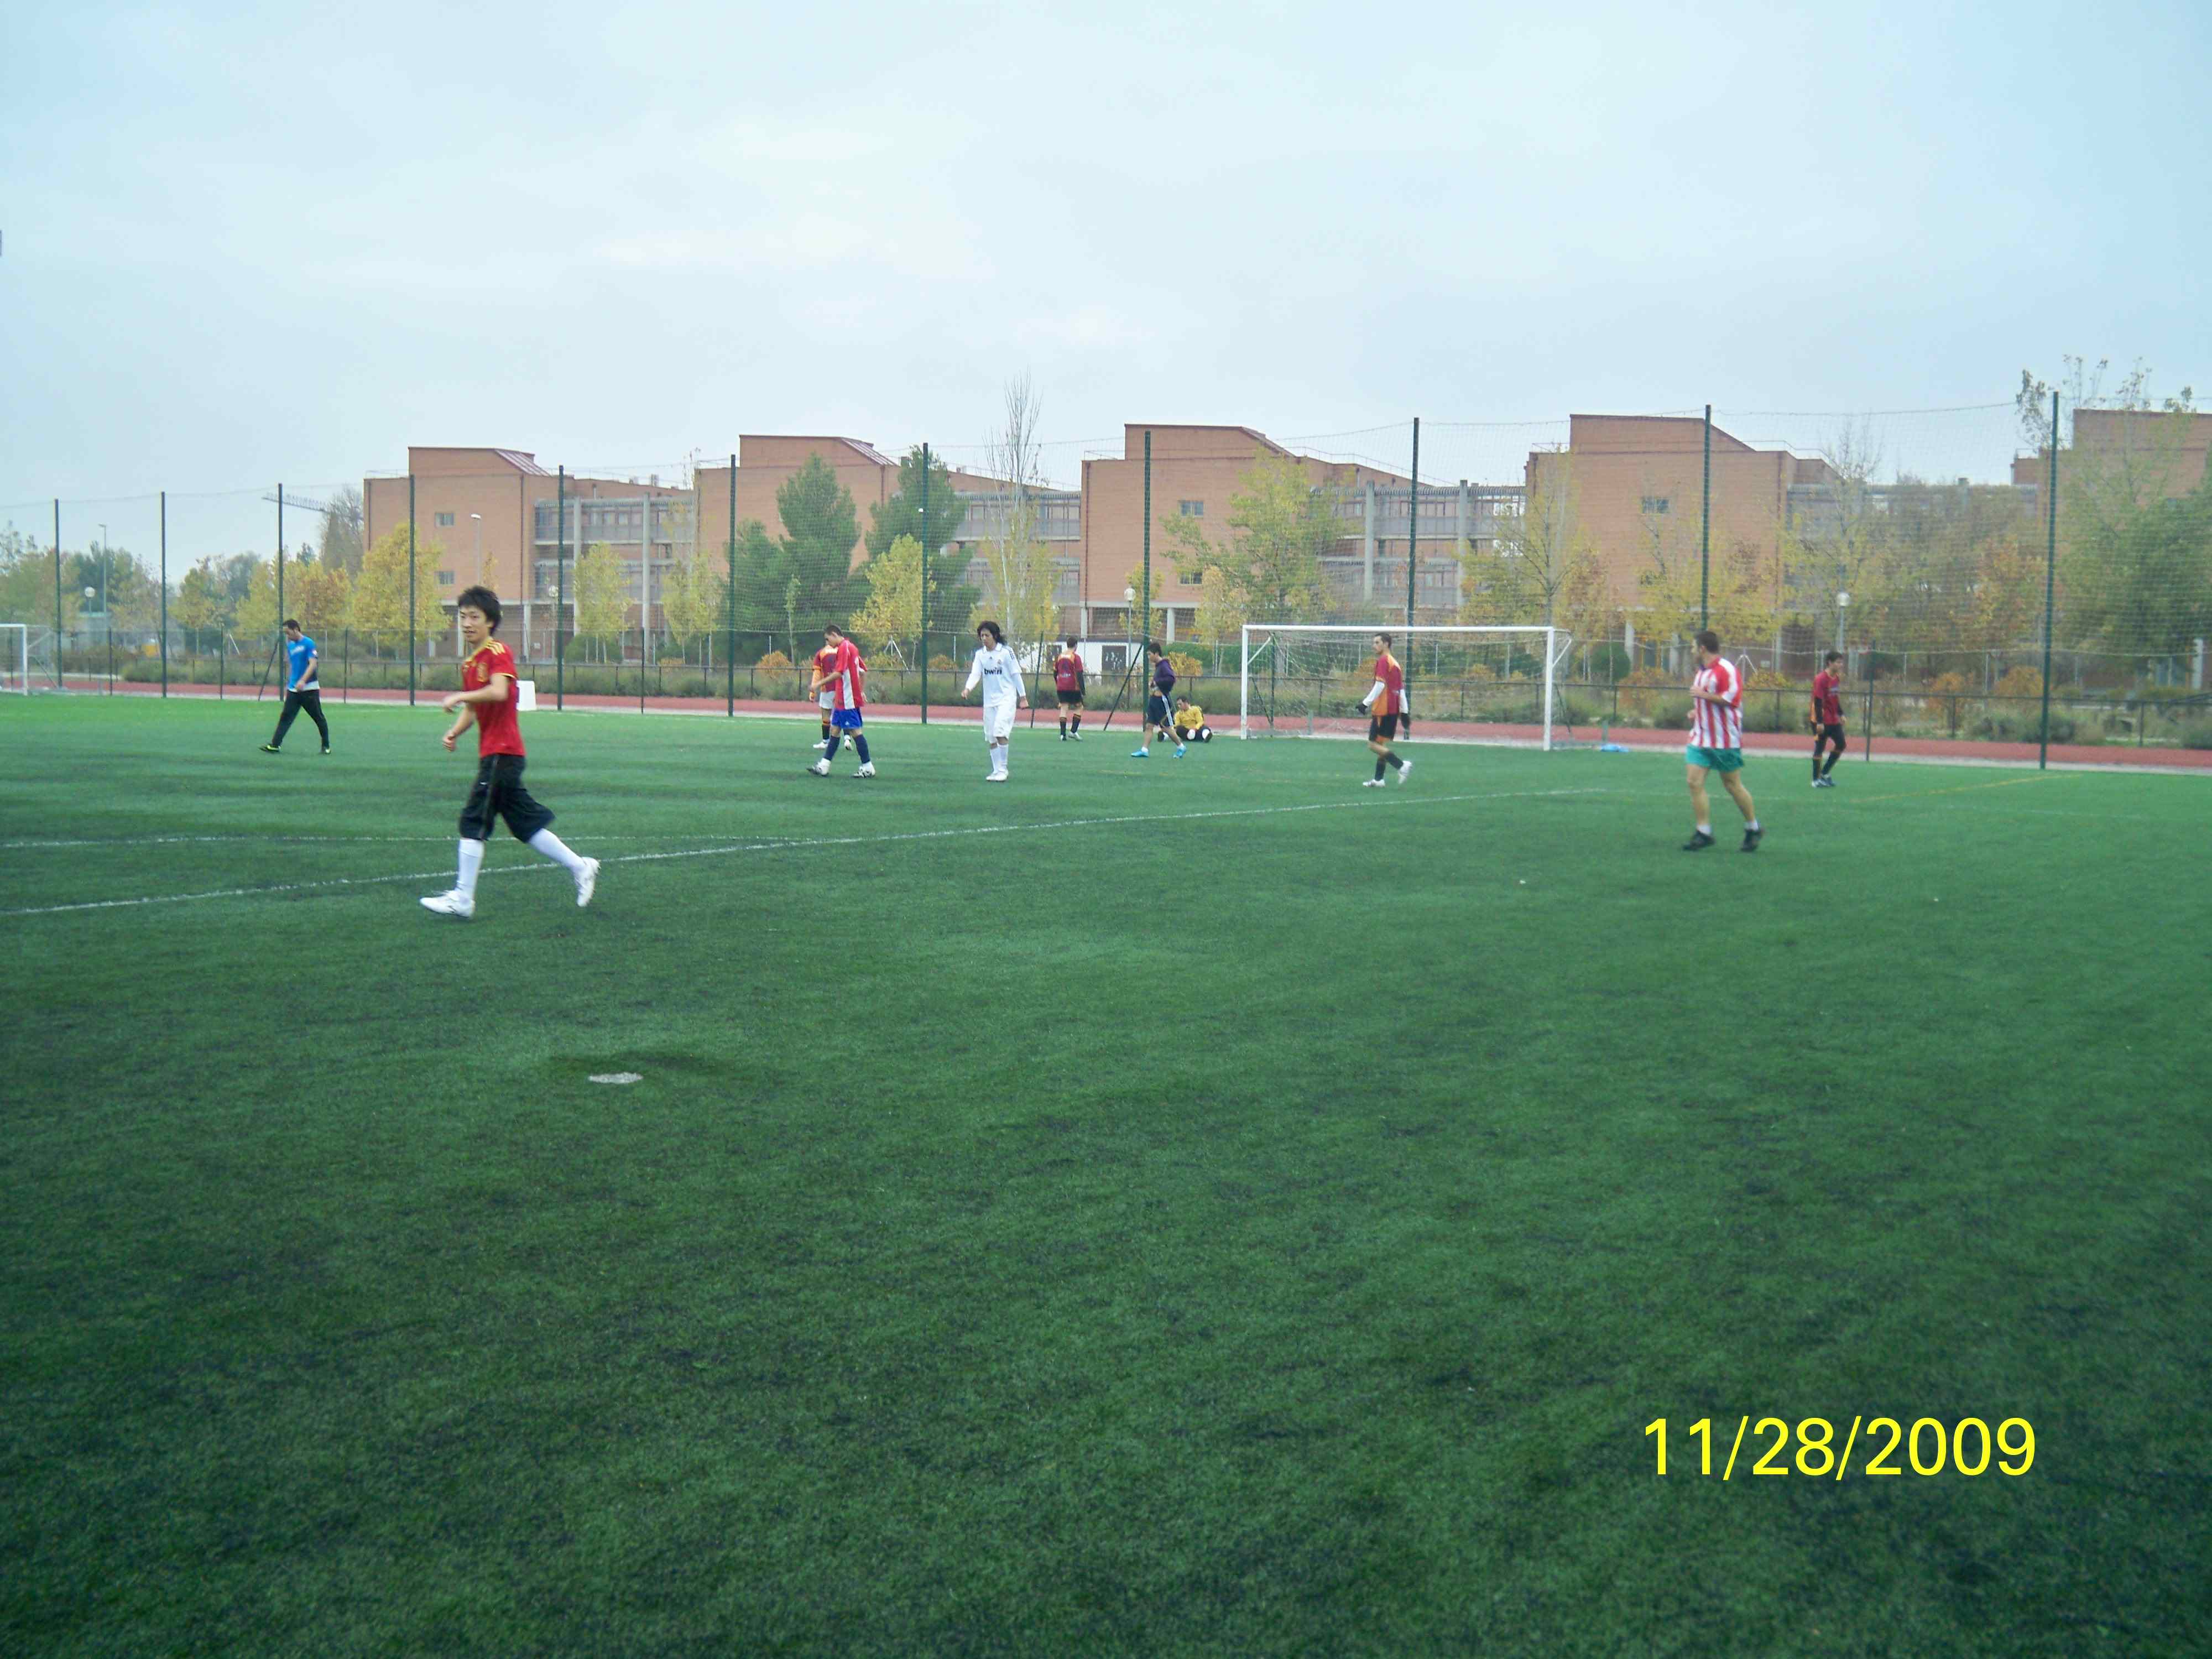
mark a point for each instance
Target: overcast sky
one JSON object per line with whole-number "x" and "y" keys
{"x": 247, "y": 243}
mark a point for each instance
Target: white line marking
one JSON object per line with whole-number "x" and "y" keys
{"x": 774, "y": 846}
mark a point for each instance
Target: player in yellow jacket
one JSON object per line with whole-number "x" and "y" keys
{"x": 1190, "y": 723}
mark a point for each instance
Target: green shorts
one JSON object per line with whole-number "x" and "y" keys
{"x": 1714, "y": 760}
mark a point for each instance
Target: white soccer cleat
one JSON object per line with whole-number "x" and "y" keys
{"x": 866, "y": 771}
{"x": 994, "y": 777}
{"x": 453, "y": 903}
{"x": 1370, "y": 783}
{"x": 587, "y": 878}
{"x": 822, "y": 743}
{"x": 1404, "y": 771}
{"x": 820, "y": 768}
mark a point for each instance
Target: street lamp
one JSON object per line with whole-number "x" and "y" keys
{"x": 106, "y": 621}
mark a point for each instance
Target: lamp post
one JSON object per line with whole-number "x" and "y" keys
{"x": 477, "y": 518}
{"x": 107, "y": 623}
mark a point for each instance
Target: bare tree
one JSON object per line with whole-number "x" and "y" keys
{"x": 1023, "y": 570}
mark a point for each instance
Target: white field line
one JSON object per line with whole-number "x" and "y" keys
{"x": 772, "y": 846}
{"x": 261, "y": 840}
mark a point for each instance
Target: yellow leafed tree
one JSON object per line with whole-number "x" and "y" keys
{"x": 379, "y": 597}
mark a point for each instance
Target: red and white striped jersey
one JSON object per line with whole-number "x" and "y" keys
{"x": 1718, "y": 725}
{"x": 849, "y": 674}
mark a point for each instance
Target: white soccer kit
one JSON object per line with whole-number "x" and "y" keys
{"x": 995, "y": 670}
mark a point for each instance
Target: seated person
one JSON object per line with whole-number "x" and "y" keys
{"x": 1190, "y": 722}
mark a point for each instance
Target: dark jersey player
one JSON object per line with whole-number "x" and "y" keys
{"x": 487, "y": 697}
{"x": 1068, "y": 685}
{"x": 1384, "y": 706}
{"x": 1826, "y": 717}
{"x": 1159, "y": 707}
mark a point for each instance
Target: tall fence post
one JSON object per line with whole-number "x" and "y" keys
{"x": 1706, "y": 531}
{"x": 164, "y": 593}
{"x": 730, "y": 597}
{"x": 60, "y": 641}
{"x": 560, "y": 586}
{"x": 280, "y": 557}
{"x": 410, "y": 589}
{"x": 1413, "y": 534}
{"x": 925, "y": 589}
{"x": 2050, "y": 583}
{"x": 1145, "y": 614}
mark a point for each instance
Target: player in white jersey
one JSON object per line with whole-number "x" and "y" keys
{"x": 995, "y": 670}
{"x": 1716, "y": 743}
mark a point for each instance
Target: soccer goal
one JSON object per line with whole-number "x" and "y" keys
{"x": 15, "y": 657}
{"x": 1305, "y": 679}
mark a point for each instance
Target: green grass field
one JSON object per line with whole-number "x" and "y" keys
{"x": 1193, "y": 1206}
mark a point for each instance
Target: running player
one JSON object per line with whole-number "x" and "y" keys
{"x": 1068, "y": 684}
{"x": 1717, "y": 743}
{"x": 1158, "y": 715}
{"x": 1827, "y": 718}
{"x": 1384, "y": 705}
{"x": 488, "y": 697}
{"x": 846, "y": 682}
{"x": 995, "y": 670}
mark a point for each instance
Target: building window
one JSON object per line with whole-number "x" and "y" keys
{"x": 444, "y": 521}
{"x": 1191, "y": 509}
{"x": 445, "y": 579}
{"x": 1192, "y": 580}
{"x": 1655, "y": 503}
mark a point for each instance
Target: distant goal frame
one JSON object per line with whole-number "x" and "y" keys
{"x": 1557, "y": 643}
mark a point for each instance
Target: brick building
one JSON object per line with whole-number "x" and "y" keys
{"x": 493, "y": 516}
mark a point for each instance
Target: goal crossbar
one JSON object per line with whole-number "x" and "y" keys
{"x": 1325, "y": 667}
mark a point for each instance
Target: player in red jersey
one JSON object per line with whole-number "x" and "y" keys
{"x": 488, "y": 697}
{"x": 846, "y": 681}
{"x": 1068, "y": 685}
{"x": 824, "y": 660}
{"x": 1384, "y": 706}
{"x": 1826, "y": 717}
{"x": 1717, "y": 743}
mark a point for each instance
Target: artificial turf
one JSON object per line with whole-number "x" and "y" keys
{"x": 1125, "y": 1211}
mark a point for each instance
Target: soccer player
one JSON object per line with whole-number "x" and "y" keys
{"x": 1384, "y": 705}
{"x": 1827, "y": 718}
{"x": 1068, "y": 681}
{"x": 846, "y": 681}
{"x": 824, "y": 660}
{"x": 995, "y": 670}
{"x": 302, "y": 689}
{"x": 1190, "y": 724}
{"x": 1157, "y": 716}
{"x": 488, "y": 697}
{"x": 1716, "y": 743}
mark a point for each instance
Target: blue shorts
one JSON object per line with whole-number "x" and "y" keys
{"x": 845, "y": 720}
{"x": 1714, "y": 760}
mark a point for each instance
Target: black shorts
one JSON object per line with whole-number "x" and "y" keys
{"x": 1157, "y": 712}
{"x": 498, "y": 794}
{"x": 1070, "y": 700}
{"x": 1381, "y": 728}
{"x": 1833, "y": 733}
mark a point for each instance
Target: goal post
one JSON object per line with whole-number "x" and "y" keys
{"x": 1306, "y": 679}
{"x": 15, "y": 657}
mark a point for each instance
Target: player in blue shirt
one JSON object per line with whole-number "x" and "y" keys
{"x": 1159, "y": 709}
{"x": 301, "y": 690}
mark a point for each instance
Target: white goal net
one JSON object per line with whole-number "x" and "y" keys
{"x": 1305, "y": 679}
{"x": 15, "y": 657}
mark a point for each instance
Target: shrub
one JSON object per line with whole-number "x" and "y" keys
{"x": 775, "y": 663}
{"x": 1951, "y": 684}
{"x": 2197, "y": 734}
{"x": 2022, "y": 682}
